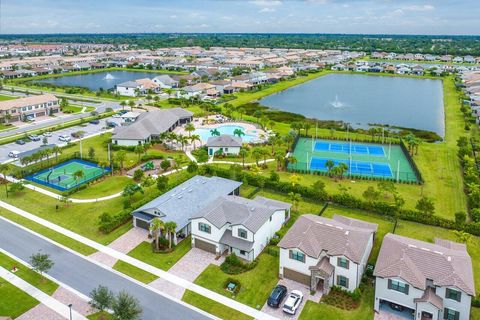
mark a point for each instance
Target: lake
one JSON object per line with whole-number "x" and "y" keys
{"x": 361, "y": 100}
{"x": 95, "y": 81}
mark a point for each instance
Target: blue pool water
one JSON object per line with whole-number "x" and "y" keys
{"x": 205, "y": 133}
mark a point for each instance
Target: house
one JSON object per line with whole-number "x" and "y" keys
{"x": 165, "y": 81}
{"x": 129, "y": 88}
{"x": 148, "y": 85}
{"x": 238, "y": 225}
{"x": 339, "y": 67}
{"x": 320, "y": 252}
{"x": 148, "y": 126}
{"x": 29, "y": 108}
{"x": 225, "y": 144}
{"x": 183, "y": 202}
{"x": 430, "y": 280}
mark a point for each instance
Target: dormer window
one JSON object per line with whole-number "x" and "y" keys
{"x": 242, "y": 233}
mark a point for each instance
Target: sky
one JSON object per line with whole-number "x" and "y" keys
{"x": 445, "y": 17}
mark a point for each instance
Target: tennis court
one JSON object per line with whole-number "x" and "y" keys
{"x": 373, "y": 160}
{"x": 68, "y": 175}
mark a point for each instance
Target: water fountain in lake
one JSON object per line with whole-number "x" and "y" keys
{"x": 337, "y": 104}
{"x": 109, "y": 77}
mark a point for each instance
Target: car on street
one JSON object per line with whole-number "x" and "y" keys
{"x": 293, "y": 302}
{"x": 20, "y": 142}
{"x": 34, "y": 137}
{"x": 95, "y": 121}
{"x": 111, "y": 124}
{"x": 13, "y": 154}
{"x": 47, "y": 134}
{"x": 64, "y": 138}
{"x": 277, "y": 295}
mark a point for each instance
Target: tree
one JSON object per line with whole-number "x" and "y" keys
{"x": 243, "y": 153}
{"x": 79, "y": 174}
{"x": 214, "y": 132}
{"x": 462, "y": 236}
{"x": 91, "y": 153}
{"x": 257, "y": 154}
{"x": 17, "y": 187}
{"x": 101, "y": 298}
{"x": 65, "y": 200}
{"x": 295, "y": 198}
{"x": 123, "y": 104}
{"x": 189, "y": 127}
{"x": 296, "y": 126}
{"x": 460, "y": 218}
{"x": 192, "y": 167}
{"x": 387, "y": 187}
{"x": 193, "y": 139}
{"x": 139, "y": 150}
{"x": 41, "y": 262}
{"x": 157, "y": 226}
{"x": 56, "y": 150}
{"x": 306, "y": 126}
{"x": 4, "y": 170}
{"x": 371, "y": 194}
{"x": 63, "y": 104}
{"x": 165, "y": 164}
{"x": 138, "y": 175}
{"x": 294, "y": 179}
{"x": 126, "y": 307}
{"x": 280, "y": 159}
{"x": 120, "y": 157}
{"x": 131, "y": 104}
{"x": 341, "y": 168}
{"x": 257, "y": 114}
{"x": 162, "y": 183}
{"x": 170, "y": 228}
{"x": 238, "y": 132}
{"x": 130, "y": 190}
{"x": 274, "y": 176}
{"x": 329, "y": 164}
{"x": 426, "y": 206}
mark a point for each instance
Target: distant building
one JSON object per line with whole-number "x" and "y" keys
{"x": 225, "y": 144}
{"x": 29, "y": 108}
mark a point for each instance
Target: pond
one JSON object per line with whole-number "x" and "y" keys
{"x": 362, "y": 100}
{"x": 97, "y": 80}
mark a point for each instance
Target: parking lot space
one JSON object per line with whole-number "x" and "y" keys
{"x": 89, "y": 129}
{"x": 292, "y": 285}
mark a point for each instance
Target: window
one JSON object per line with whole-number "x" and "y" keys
{"x": 398, "y": 286}
{"x": 242, "y": 233}
{"x": 270, "y": 218}
{"x": 343, "y": 262}
{"x": 450, "y": 314}
{"x": 342, "y": 281}
{"x": 297, "y": 255}
{"x": 453, "y": 294}
{"x": 204, "y": 227}
{"x": 243, "y": 252}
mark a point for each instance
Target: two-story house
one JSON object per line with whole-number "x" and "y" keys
{"x": 28, "y": 108}
{"x": 235, "y": 224}
{"x": 424, "y": 280}
{"x": 320, "y": 252}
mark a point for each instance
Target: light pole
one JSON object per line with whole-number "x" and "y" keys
{"x": 70, "y": 307}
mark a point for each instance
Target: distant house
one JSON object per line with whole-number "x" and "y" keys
{"x": 165, "y": 81}
{"x": 429, "y": 280}
{"x": 29, "y": 108}
{"x": 148, "y": 85}
{"x": 225, "y": 144}
{"x": 129, "y": 88}
{"x": 339, "y": 67}
{"x": 320, "y": 252}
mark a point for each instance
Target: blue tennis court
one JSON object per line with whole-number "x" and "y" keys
{"x": 376, "y": 169}
{"x": 349, "y": 148}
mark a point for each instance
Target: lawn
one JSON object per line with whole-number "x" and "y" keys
{"x": 256, "y": 284}
{"x": 162, "y": 261}
{"x": 104, "y": 187}
{"x": 212, "y": 307}
{"x": 72, "y": 108}
{"x": 134, "y": 272}
{"x": 321, "y": 311}
{"x": 14, "y": 302}
{"x": 5, "y": 98}
{"x": 100, "y": 316}
{"x": 27, "y": 274}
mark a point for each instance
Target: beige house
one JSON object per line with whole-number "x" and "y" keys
{"x": 29, "y": 108}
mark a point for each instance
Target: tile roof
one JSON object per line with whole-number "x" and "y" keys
{"x": 27, "y": 101}
{"x": 235, "y": 242}
{"x": 431, "y": 297}
{"x": 444, "y": 262}
{"x": 338, "y": 236}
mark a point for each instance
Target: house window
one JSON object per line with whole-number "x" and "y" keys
{"x": 243, "y": 252}
{"x": 343, "y": 262}
{"x": 398, "y": 286}
{"x": 204, "y": 227}
{"x": 242, "y": 233}
{"x": 297, "y": 255}
{"x": 342, "y": 281}
{"x": 453, "y": 294}
{"x": 450, "y": 314}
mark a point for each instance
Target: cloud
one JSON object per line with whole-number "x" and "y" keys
{"x": 414, "y": 7}
{"x": 266, "y": 3}
{"x": 267, "y": 10}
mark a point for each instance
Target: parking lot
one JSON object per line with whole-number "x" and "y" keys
{"x": 88, "y": 129}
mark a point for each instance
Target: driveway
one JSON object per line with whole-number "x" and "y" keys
{"x": 292, "y": 285}
{"x": 189, "y": 267}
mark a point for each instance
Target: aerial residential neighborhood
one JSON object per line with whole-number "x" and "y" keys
{"x": 239, "y": 160}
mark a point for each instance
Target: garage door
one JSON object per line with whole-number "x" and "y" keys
{"x": 40, "y": 114}
{"x": 205, "y": 246}
{"x": 142, "y": 224}
{"x": 296, "y": 276}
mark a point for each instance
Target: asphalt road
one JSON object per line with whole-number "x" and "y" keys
{"x": 84, "y": 276}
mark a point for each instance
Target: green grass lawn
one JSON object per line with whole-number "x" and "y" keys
{"x": 108, "y": 186}
{"x": 5, "y": 98}
{"x": 321, "y": 311}
{"x": 14, "y": 302}
{"x": 212, "y": 307}
{"x": 162, "y": 261}
{"x": 72, "y": 108}
{"x": 257, "y": 284}
{"x": 27, "y": 274}
{"x": 134, "y": 272}
{"x": 100, "y": 316}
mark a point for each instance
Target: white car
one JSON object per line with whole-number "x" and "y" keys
{"x": 64, "y": 138}
{"x": 293, "y": 302}
{"x": 47, "y": 134}
{"x": 13, "y": 154}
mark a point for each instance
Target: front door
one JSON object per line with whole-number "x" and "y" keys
{"x": 426, "y": 315}
{"x": 320, "y": 284}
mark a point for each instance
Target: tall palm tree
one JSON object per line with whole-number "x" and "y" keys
{"x": 194, "y": 138}
{"x": 120, "y": 157}
{"x": 56, "y": 150}
{"x": 257, "y": 154}
{"x": 157, "y": 226}
{"x": 295, "y": 198}
{"x": 280, "y": 158}
{"x": 329, "y": 164}
{"x": 341, "y": 169}
{"x": 189, "y": 127}
{"x": 79, "y": 174}
{"x": 4, "y": 170}
{"x": 243, "y": 153}
{"x": 170, "y": 228}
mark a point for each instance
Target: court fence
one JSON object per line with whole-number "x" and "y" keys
{"x": 57, "y": 181}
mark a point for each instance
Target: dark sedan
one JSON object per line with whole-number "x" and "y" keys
{"x": 277, "y": 295}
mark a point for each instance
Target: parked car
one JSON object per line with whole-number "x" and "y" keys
{"x": 111, "y": 124}
{"x": 13, "y": 154}
{"x": 64, "y": 138}
{"x": 34, "y": 137}
{"x": 20, "y": 142}
{"x": 293, "y": 302}
{"x": 397, "y": 307}
{"x": 277, "y": 295}
{"x": 95, "y": 121}
{"x": 47, "y": 134}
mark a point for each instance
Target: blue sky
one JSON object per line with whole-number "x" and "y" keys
{"x": 289, "y": 16}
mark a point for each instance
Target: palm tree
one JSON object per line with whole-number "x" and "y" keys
{"x": 189, "y": 127}
{"x": 306, "y": 127}
{"x": 4, "y": 169}
{"x": 215, "y": 132}
{"x": 79, "y": 174}
{"x": 131, "y": 104}
{"x": 121, "y": 156}
{"x": 123, "y": 104}
{"x": 238, "y": 132}
{"x": 243, "y": 153}
{"x": 194, "y": 138}
{"x": 183, "y": 141}
{"x": 330, "y": 165}
{"x": 280, "y": 158}
{"x": 56, "y": 151}
{"x": 295, "y": 198}
{"x": 341, "y": 169}
{"x": 257, "y": 154}
{"x": 139, "y": 150}
{"x": 156, "y": 228}
{"x": 170, "y": 228}
{"x": 291, "y": 160}
{"x": 241, "y": 112}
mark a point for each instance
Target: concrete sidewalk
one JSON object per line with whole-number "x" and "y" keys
{"x": 44, "y": 298}
{"x": 142, "y": 265}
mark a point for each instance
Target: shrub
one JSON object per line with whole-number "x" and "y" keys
{"x": 460, "y": 218}
{"x": 138, "y": 175}
{"x": 233, "y": 265}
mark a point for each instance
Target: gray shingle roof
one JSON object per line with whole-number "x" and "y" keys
{"x": 445, "y": 263}
{"x": 313, "y": 234}
{"x": 185, "y": 200}
{"x": 225, "y": 140}
{"x": 235, "y": 242}
{"x": 236, "y": 211}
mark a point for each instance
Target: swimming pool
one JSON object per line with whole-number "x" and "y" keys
{"x": 205, "y": 133}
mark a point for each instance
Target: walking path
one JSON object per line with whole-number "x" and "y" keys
{"x": 44, "y": 298}
{"x": 140, "y": 264}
